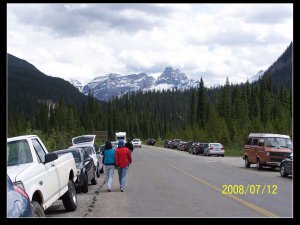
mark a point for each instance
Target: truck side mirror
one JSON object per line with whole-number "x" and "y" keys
{"x": 51, "y": 156}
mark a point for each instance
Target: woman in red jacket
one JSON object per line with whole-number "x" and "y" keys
{"x": 122, "y": 161}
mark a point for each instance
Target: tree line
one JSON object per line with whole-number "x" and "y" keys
{"x": 226, "y": 114}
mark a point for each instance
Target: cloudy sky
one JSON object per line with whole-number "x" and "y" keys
{"x": 212, "y": 41}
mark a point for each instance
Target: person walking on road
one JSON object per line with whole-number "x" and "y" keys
{"x": 122, "y": 161}
{"x": 129, "y": 145}
{"x": 109, "y": 162}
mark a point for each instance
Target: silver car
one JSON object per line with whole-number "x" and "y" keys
{"x": 87, "y": 143}
{"x": 136, "y": 143}
{"x": 214, "y": 149}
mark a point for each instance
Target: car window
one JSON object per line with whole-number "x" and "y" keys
{"x": 216, "y": 145}
{"x": 255, "y": 141}
{"x": 89, "y": 150}
{"x": 18, "y": 152}
{"x": 248, "y": 141}
{"x": 76, "y": 156}
{"x": 39, "y": 150}
{"x": 261, "y": 142}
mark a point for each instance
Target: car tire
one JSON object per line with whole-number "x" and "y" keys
{"x": 85, "y": 185}
{"x": 258, "y": 164}
{"x": 222, "y": 155}
{"x": 69, "y": 199}
{"x": 247, "y": 164}
{"x": 282, "y": 171}
{"x": 94, "y": 181}
{"x": 37, "y": 209}
{"x": 97, "y": 171}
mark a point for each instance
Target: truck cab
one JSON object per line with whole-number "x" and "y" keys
{"x": 45, "y": 177}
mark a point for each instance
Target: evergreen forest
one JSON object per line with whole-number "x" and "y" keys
{"x": 225, "y": 113}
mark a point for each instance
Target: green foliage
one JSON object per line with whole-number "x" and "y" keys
{"x": 225, "y": 114}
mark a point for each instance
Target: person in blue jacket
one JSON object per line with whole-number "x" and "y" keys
{"x": 109, "y": 163}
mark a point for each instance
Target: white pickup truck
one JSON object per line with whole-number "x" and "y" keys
{"x": 44, "y": 176}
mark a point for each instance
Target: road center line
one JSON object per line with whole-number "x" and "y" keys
{"x": 234, "y": 197}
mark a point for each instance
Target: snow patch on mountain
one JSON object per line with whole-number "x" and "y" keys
{"x": 76, "y": 84}
{"x": 256, "y": 76}
{"x": 113, "y": 84}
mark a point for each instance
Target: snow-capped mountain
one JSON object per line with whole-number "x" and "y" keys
{"x": 76, "y": 84}
{"x": 171, "y": 78}
{"x": 110, "y": 85}
{"x": 256, "y": 76}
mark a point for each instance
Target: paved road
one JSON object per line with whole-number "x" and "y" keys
{"x": 169, "y": 183}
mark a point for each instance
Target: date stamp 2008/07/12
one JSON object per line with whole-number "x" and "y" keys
{"x": 252, "y": 189}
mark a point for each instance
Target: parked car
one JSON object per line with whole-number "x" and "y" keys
{"x": 18, "y": 202}
{"x": 187, "y": 146}
{"x": 264, "y": 149}
{"x": 193, "y": 147}
{"x": 181, "y": 146}
{"x": 175, "y": 143}
{"x": 44, "y": 176}
{"x": 151, "y": 141}
{"x": 136, "y": 143}
{"x": 85, "y": 168}
{"x": 199, "y": 149}
{"x": 168, "y": 144}
{"x": 286, "y": 166}
{"x": 87, "y": 142}
{"x": 214, "y": 149}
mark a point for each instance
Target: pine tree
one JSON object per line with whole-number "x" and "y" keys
{"x": 202, "y": 105}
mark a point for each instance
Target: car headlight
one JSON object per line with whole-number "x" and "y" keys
{"x": 268, "y": 153}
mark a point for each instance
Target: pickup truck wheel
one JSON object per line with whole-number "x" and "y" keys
{"x": 69, "y": 199}
{"x": 37, "y": 209}
{"x": 85, "y": 186}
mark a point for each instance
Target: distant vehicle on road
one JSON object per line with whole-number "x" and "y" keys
{"x": 137, "y": 142}
{"x": 18, "y": 202}
{"x": 151, "y": 141}
{"x": 214, "y": 149}
{"x": 121, "y": 136}
{"x": 286, "y": 166}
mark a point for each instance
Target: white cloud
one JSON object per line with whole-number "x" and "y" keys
{"x": 82, "y": 41}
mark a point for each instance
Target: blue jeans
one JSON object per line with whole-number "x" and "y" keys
{"x": 109, "y": 172}
{"x": 122, "y": 176}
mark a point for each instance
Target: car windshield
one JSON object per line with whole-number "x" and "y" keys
{"x": 279, "y": 142}
{"x": 216, "y": 145}
{"x": 136, "y": 140}
{"x": 18, "y": 152}
{"x": 75, "y": 154}
{"x": 89, "y": 150}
